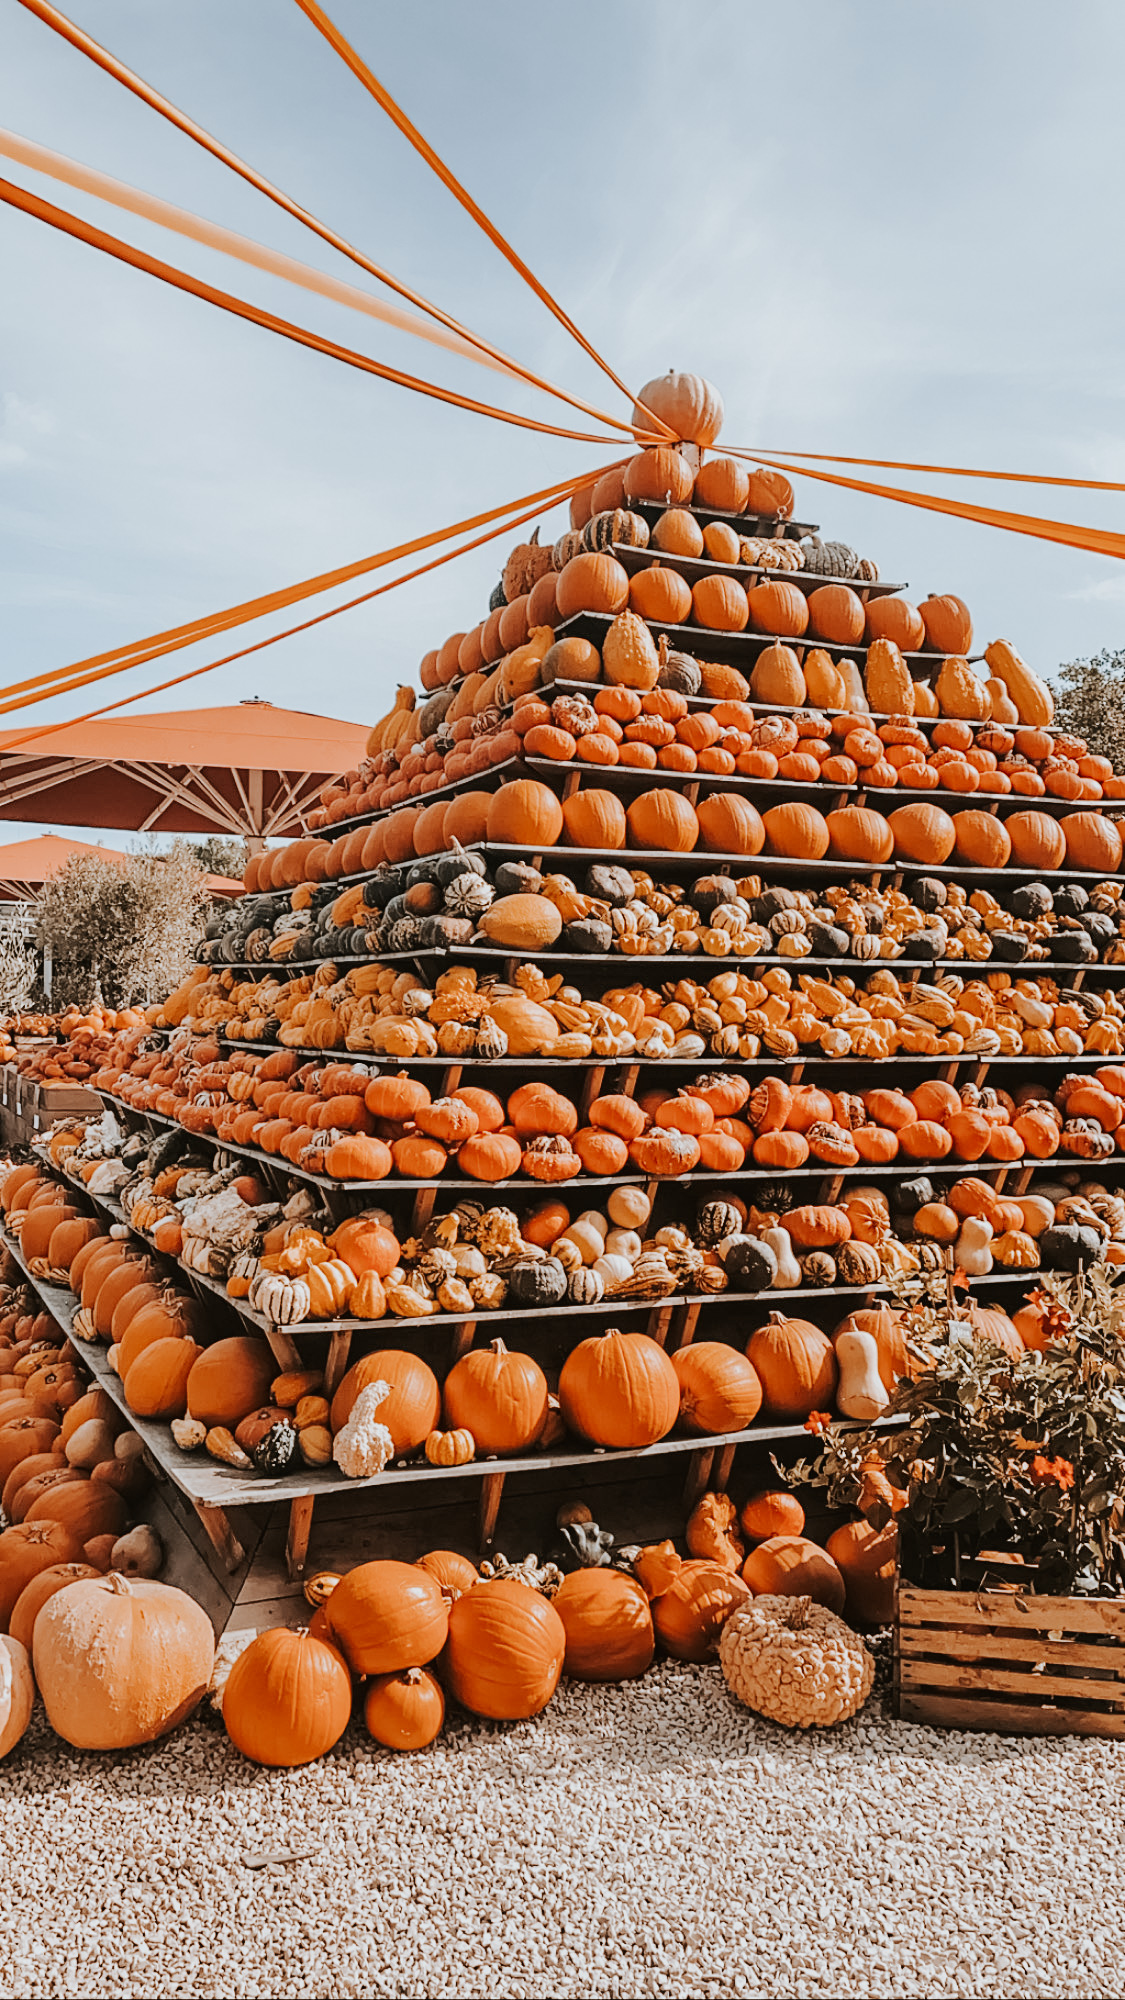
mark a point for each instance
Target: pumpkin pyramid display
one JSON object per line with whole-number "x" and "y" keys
{"x": 690, "y": 731}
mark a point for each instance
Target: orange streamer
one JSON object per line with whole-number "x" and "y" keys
{"x": 953, "y": 471}
{"x": 398, "y": 117}
{"x": 72, "y": 225}
{"x": 74, "y": 174}
{"x": 139, "y": 651}
{"x": 78, "y": 39}
{"x": 1099, "y": 540}
{"x": 321, "y": 618}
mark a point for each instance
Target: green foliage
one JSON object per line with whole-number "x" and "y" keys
{"x": 221, "y": 854}
{"x": 1090, "y": 701}
{"x": 1025, "y": 1458}
{"x": 121, "y": 932}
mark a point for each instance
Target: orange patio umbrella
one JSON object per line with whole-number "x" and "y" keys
{"x": 253, "y": 770}
{"x": 26, "y": 864}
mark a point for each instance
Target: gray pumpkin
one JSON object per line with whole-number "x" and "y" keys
{"x": 536, "y": 1281}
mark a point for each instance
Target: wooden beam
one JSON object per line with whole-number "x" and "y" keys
{"x": 297, "y": 1540}
{"x": 336, "y": 1366}
{"x": 284, "y": 1349}
{"x": 463, "y": 1337}
{"x": 220, "y": 1534}
{"x": 723, "y": 1470}
{"x": 491, "y": 1490}
{"x": 685, "y": 1326}
{"x": 698, "y": 1473}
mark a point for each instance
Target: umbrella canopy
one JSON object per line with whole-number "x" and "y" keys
{"x": 253, "y": 770}
{"x": 26, "y": 864}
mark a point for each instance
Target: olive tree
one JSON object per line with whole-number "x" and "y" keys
{"x": 121, "y": 932}
{"x": 1090, "y": 700}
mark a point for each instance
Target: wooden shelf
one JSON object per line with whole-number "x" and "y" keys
{"x": 692, "y": 568}
{"x": 520, "y": 1065}
{"x": 741, "y": 649}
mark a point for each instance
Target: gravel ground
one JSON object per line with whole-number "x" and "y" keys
{"x": 644, "y": 1839}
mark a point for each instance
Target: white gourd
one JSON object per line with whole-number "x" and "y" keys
{"x": 788, "y": 1274}
{"x": 860, "y": 1392}
{"x": 973, "y": 1248}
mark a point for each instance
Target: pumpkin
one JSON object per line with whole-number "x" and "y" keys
{"x": 366, "y": 1244}
{"x": 1092, "y": 841}
{"x": 689, "y": 1616}
{"x": 796, "y": 1365}
{"x": 17, "y": 1693}
{"x": 413, "y": 1407}
{"x": 287, "y": 1699}
{"x": 660, "y": 594}
{"x": 836, "y": 614}
{"x": 1038, "y": 841}
{"x": 771, "y": 494}
{"x": 498, "y": 1396}
{"x": 922, "y": 832}
{"x": 780, "y": 608}
{"x": 620, "y": 1390}
{"x": 678, "y": 533}
{"x": 729, "y": 824}
{"x": 663, "y": 820}
{"x": 947, "y": 624}
{"x": 522, "y": 922}
{"x": 387, "y": 1615}
{"x": 867, "y": 1559}
{"x": 792, "y": 1566}
{"x": 896, "y": 619}
{"x": 856, "y": 833}
{"x": 594, "y": 818}
{"x": 797, "y": 830}
{"x": 157, "y": 1382}
{"x": 659, "y": 473}
{"x": 981, "y": 840}
{"x": 404, "y": 1711}
{"x": 121, "y": 1661}
{"x": 771, "y": 1512}
{"x": 689, "y": 405}
{"x": 229, "y": 1379}
{"x": 505, "y": 1650}
{"x": 719, "y": 1389}
{"x": 451, "y": 1448}
{"x": 491, "y": 1156}
{"x": 777, "y": 677}
{"x": 720, "y": 604}
{"x": 524, "y": 813}
{"x": 454, "y": 1573}
{"x": 591, "y": 583}
{"x": 608, "y": 1625}
{"x": 26, "y": 1551}
{"x": 722, "y": 484}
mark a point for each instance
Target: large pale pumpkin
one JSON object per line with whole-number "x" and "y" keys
{"x": 689, "y": 405}
{"x": 121, "y": 1661}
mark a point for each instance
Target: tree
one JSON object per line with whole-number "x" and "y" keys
{"x": 18, "y": 971}
{"x": 1091, "y": 702}
{"x": 221, "y": 854}
{"x": 121, "y": 932}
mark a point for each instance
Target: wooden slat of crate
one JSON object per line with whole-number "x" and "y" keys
{"x": 961, "y": 1657}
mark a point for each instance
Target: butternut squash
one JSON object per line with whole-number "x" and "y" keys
{"x": 1033, "y": 698}
{"x": 860, "y": 1392}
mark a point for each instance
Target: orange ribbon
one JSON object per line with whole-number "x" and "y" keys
{"x": 953, "y": 471}
{"x": 1099, "y": 540}
{"x": 78, "y": 39}
{"x": 398, "y": 117}
{"x": 449, "y": 555}
{"x": 100, "y": 665}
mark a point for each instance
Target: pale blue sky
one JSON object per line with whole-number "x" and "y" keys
{"x": 880, "y": 228}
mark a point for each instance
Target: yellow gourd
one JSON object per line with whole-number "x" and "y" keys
{"x": 1002, "y": 707}
{"x": 856, "y": 701}
{"x": 960, "y": 693}
{"x": 1033, "y": 698}
{"x": 824, "y": 681}
{"x": 890, "y": 689}
{"x": 860, "y": 1392}
{"x": 387, "y": 730}
{"x": 519, "y": 672}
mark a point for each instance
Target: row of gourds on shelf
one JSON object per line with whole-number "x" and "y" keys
{"x": 353, "y": 1123}
{"x": 66, "y": 1047}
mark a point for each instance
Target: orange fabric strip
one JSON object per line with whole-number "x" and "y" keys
{"x": 954, "y": 471}
{"x": 74, "y": 174}
{"x": 72, "y": 225}
{"x": 141, "y": 650}
{"x": 1099, "y": 540}
{"x": 78, "y": 39}
{"x": 397, "y": 115}
{"x": 321, "y": 618}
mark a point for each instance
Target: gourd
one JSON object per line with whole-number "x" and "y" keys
{"x": 960, "y": 692}
{"x": 824, "y": 682}
{"x": 890, "y": 689}
{"x": 1033, "y": 699}
{"x": 797, "y": 1664}
{"x": 860, "y": 1392}
{"x": 973, "y": 1252}
{"x": 787, "y": 1276}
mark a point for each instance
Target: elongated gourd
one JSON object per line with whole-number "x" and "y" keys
{"x": 826, "y": 685}
{"x": 960, "y": 693}
{"x": 860, "y": 1392}
{"x": 890, "y": 689}
{"x": 856, "y": 701}
{"x": 1033, "y": 698}
{"x": 788, "y": 1274}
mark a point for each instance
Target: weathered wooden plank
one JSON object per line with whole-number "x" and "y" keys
{"x": 201, "y": 1577}
{"x": 336, "y": 1366}
{"x": 698, "y": 1473}
{"x": 1008, "y": 1611}
{"x": 491, "y": 1493}
{"x": 221, "y": 1535}
{"x": 985, "y": 1677}
{"x": 1006, "y": 1718}
{"x": 297, "y": 1540}
{"x": 928, "y": 1642}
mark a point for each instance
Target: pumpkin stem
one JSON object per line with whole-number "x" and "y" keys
{"x": 412, "y": 1675}
{"x": 497, "y": 1347}
{"x": 120, "y": 1585}
{"x": 799, "y": 1613}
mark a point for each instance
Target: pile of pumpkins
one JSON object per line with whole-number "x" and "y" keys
{"x": 73, "y": 1044}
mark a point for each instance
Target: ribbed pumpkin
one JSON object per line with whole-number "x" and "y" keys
{"x": 660, "y": 473}
{"x": 592, "y": 583}
{"x": 287, "y": 1699}
{"x": 856, "y": 833}
{"x": 895, "y": 618}
{"x": 729, "y": 824}
{"x": 722, "y": 484}
{"x": 68, "y": 1238}
{"x": 923, "y": 833}
{"x": 719, "y": 1388}
{"x": 689, "y": 405}
{"x": 1092, "y": 841}
{"x": 721, "y": 604}
{"x": 404, "y": 1711}
{"x": 660, "y": 594}
{"x": 608, "y": 1625}
{"x": 796, "y": 1365}
{"x": 524, "y": 813}
{"x": 797, "y": 830}
{"x": 157, "y": 1319}
{"x": 1038, "y": 841}
{"x": 594, "y": 818}
{"x": 792, "y": 1566}
{"x": 836, "y": 614}
{"x": 982, "y": 839}
{"x": 413, "y": 1407}
{"x": 948, "y": 626}
{"x": 664, "y": 820}
{"x": 691, "y": 1613}
{"x": 620, "y": 1390}
{"x": 505, "y": 1650}
{"x": 387, "y": 1615}
{"x": 780, "y": 608}
{"x": 500, "y": 1396}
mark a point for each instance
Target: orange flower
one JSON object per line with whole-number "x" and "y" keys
{"x": 1052, "y": 1472}
{"x": 819, "y": 1421}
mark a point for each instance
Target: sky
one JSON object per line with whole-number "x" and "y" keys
{"x": 881, "y": 229}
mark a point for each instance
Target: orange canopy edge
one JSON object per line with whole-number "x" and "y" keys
{"x": 26, "y": 864}
{"x": 251, "y": 769}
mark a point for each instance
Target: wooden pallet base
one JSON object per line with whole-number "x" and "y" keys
{"x": 1015, "y": 1664}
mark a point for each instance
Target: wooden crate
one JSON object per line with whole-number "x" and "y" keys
{"x": 1021, "y": 1665}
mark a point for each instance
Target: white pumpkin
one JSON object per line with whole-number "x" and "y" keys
{"x": 17, "y": 1692}
{"x": 623, "y": 1243}
{"x": 629, "y": 1207}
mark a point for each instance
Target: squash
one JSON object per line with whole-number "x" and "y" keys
{"x": 1034, "y": 702}
{"x": 960, "y": 691}
{"x": 890, "y": 689}
{"x": 860, "y": 1392}
{"x": 787, "y": 1277}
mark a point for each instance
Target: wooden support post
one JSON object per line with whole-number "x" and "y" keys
{"x": 571, "y": 783}
{"x": 491, "y": 1490}
{"x": 463, "y": 1337}
{"x": 980, "y": 1071}
{"x": 1023, "y": 1181}
{"x": 284, "y": 1349}
{"x": 798, "y": 1070}
{"x": 1079, "y": 977}
{"x": 833, "y": 1186}
{"x": 593, "y": 1083}
{"x": 659, "y": 1321}
{"x": 450, "y": 1079}
{"x": 629, "y": 1080}
{"x": 721, "y": 1479}
{"x": 698, "y": 1473}
{"x": 220, "y": 1534}
{"x": 336, "y": 1366}
{"x": 297, "y": 1540}
{"x": 685, "y": 1327}
{"x": 422, "y": 1210}
{"x": 949, "y": 1071}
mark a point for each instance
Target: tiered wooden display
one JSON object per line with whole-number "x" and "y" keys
{"x": 395, "y": 1513}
